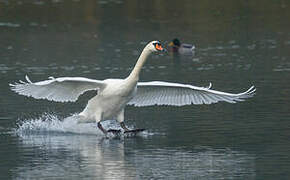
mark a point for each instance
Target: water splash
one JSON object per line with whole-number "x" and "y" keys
{"x": 51, "y": 124}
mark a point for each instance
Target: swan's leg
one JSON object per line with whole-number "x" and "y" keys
{"x": 101, "y": 128}
{"x": 98, "y": 117}
{"x": 124, "y": 126}
{"x": 120, "y": 119}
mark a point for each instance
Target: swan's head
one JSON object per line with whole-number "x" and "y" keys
{"x": 155, "y": 46}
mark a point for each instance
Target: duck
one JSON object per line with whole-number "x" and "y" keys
{"x": 113, "y": 95}
{"x": 181, "y": 48}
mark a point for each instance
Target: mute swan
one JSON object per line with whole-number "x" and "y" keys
{"x": 181, "y": 48}
{"x": 114, "y": 94}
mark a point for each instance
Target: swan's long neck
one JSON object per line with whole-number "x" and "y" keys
{"x": 134, "y": 75}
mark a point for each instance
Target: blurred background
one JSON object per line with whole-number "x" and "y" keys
{"x": 238, "y": 44}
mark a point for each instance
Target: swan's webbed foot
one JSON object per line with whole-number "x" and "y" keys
{"x": 126, "y": 130}
{"x": 118, "y": 131}
{"x": 134, "y": 131}
{"x": 115, "y": 131}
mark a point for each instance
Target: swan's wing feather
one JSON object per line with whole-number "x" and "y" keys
{"x": 57, "y": 89}
{"x": 175, "y": 94}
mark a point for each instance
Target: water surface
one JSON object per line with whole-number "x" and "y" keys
{"x": 238, "y": 44}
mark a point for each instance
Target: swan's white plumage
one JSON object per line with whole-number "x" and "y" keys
{"x": 62, "y": 89}
{"x": 175, "y": 94}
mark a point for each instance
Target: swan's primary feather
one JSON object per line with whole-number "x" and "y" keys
{"x": 175, "y": 94}
{"x": 57, "y": 89}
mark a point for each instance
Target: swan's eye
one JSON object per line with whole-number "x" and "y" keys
{"x": 158, "y": 46}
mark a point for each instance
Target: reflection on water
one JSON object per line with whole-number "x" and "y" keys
{"x": 89, "y": 157}
{"x": 84, "y": 156}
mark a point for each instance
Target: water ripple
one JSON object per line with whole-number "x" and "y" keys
{"x": 9, "y": 24}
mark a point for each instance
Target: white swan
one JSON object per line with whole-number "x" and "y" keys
{"x": 114, "y": 94}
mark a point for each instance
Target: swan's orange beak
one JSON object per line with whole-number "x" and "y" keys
{"x": 159, "y": 47}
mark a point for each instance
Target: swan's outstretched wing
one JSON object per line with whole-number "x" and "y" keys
{"x": 57, "y": 89}
{"x": 164, "y": 93}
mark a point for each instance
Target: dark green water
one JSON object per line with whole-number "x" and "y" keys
{"x": 238, "y": 44}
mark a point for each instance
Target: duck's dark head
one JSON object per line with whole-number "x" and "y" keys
{"x": 174, "y": 44}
